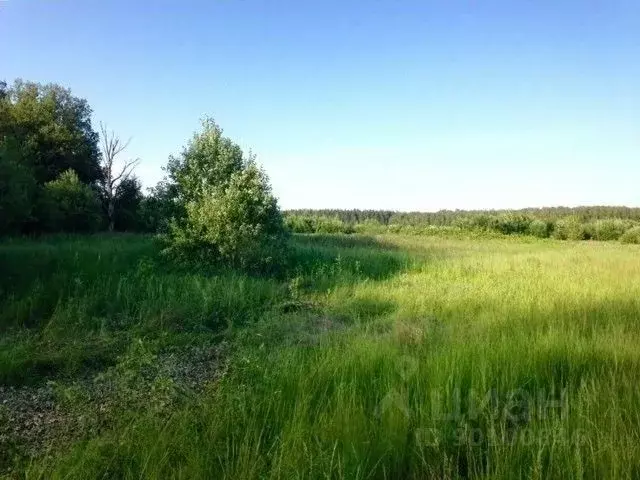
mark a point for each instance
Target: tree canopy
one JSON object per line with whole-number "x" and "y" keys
{"x": 52, "y": 129}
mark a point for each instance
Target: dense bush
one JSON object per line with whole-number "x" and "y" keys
{"x": 317, "y": 224}
{"x": 506, "y": 223}
{"x": 510, "y": 223}
{"x": 230, "y": 215}
{"x": 300, "y": 223}
{"x": 128, "y": 200}
{"x": 539, "y": 228}
{"x": 160, "y": 207}
{"x": 206, "y": 163}
{"x": 569, "y": 228}
{"x": 239, "y": 225}
{"x": 70, "y": 205}
{"x": 470, "y": 222}
{"x": 609, "y": 229}
{"x": 369, "y": 225}
{"x": 631, "y": 236}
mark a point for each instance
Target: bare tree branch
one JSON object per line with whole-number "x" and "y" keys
{"x": 112, "y": 146}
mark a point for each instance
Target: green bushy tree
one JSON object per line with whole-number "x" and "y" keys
{"x": 607, "y": 229}
{"x": 206, "y": 164}
{"x": 369, "y": 225}
{"x": 70, "y": 205}
{"x": 510, "y": 223}
{"x": 539, "y": 228}
{"x": 52, "y": 129}
{"x": 569, "y": 228}
{"x": 230, "y": 213}
{"x": 631, "y": 236}
{"x": 300, "y": 223}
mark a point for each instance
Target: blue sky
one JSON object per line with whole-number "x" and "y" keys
{"x": 408, "y": 105}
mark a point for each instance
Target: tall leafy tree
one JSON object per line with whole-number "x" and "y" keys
{"x": 206, "y": 163}
{"x": 52, "y": 129}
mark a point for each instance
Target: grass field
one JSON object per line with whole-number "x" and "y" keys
{"x": 372, "y": 357}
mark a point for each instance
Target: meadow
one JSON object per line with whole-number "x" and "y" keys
{"x": 370, "y": 356}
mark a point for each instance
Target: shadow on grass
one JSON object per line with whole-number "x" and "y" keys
{"x": 341, "y": 257}
{"x": 73, "y": 303}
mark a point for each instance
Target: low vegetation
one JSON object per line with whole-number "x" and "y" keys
{"x": 579, "y": 224}
{"x": 390, "y": 356}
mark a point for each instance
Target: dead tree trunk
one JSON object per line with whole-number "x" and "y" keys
{"x": 111, "y": 148}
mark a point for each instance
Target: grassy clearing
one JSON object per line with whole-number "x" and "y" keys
{"x": 386, "y": 357}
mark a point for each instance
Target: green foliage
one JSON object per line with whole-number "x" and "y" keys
{"x": 160, "y": 208}
{"x": 44, "y": 132}
{"x": 17, "y": 190}
{"x": 53, "y": 129}
{"x": 631, "y": 236}
{"x": 541, "y": 223}
{"x": 128, "y": 199}
{"x": 70, "y": 205}
{"x": 206, "y": 163}
{"x": 316, "y": 224}
{"x": 539, "y": 228}
{"x": 300, "y": 223}
{"x": 369, "y": 225}
{"x": 510, "y": 223}
{"x": 569, "y": 228}
{"x": 239, "y": 225}
{"x": 473, "y": 218}
{"x": 469, "y": 222}
{"x": 609, "y": 229}
{"x": 231, "y": 216}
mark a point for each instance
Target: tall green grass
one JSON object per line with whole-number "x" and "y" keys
{"x": 387, "y": 357}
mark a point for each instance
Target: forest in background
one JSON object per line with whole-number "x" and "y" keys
{"x": 562, "y": 223}
{"x": 58, "y": 174}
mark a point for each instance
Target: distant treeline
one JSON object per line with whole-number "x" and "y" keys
{"x": 453, "y": 217}
{"x": 564, "y": 223}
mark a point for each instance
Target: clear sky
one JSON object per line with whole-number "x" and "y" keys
{"x": 408, "y": 105}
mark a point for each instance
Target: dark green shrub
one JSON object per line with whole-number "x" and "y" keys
{"x": 569, "y": 228}
{"x": 70, "y": 205}
{"x": 317, "y": 224}
{"x": 539, "y": 228}
{"x": 631, "y": 236}
{"x": 17, "y": 191}
{"x": 609, "y": 229}
{"x": 128, "y": 199}
{"x": 510, "y": 223}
